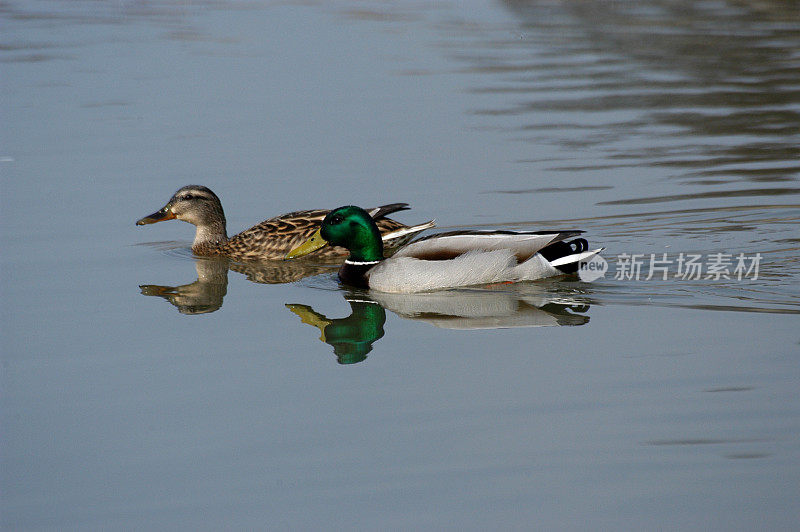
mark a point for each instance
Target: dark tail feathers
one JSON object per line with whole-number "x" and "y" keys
{"x": 383, "y": 210}
{"x": 556, "y": 250}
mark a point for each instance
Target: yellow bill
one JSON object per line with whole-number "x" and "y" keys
{"x": 311, "y": 317}
{"x": 309, "y": 246}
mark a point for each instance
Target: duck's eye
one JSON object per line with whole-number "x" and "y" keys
{"x": 187, "y": 197}
{"x": 336, "y": 219}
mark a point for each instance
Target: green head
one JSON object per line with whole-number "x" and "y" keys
{"x": 350, "y": 227}
{"x": 353, "y": 228}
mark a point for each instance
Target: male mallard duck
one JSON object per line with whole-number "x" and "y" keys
{"x": 271, "y": 239}
{"x": 445, "y": 260}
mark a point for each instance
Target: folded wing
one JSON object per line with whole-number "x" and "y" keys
{"x": 446, "y": 246}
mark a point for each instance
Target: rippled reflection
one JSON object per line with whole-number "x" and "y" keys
{"x": 529, "y": 305}
{"x": 708, "y": 88}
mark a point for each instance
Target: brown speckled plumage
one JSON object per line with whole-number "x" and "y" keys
{"x": 272, "y": 239}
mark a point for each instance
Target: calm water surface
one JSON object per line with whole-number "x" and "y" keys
{"x": 145, "y": 388}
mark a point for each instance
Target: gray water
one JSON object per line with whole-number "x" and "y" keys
{"x": 144, "y": 388}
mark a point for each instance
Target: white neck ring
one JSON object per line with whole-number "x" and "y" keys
{"x": 358, "y": 263}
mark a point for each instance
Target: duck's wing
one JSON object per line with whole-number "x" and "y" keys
{"x": 445, "y": 246}
{"x": 275, "y": 237}
{"x": 394, "y": 233}
{"x": 397, "y": 238}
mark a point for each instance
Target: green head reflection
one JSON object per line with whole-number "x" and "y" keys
{"x": 351, "y": 337}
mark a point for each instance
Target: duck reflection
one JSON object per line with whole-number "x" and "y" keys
{"x": 200, "y": 297}
{"x": 526, "y": 306}
{"x": 351, "y": 337}
{"x": 207, "y": 293}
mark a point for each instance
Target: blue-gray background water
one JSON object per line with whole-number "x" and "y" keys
{"x": 662, "y": 129}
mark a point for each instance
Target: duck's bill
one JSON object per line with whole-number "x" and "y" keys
{"x": 310, "y": 316}
{"x": 309, "y": 246}
{"x": 158, "y": 216}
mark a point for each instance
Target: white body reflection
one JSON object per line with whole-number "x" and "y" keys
{"x": 520, "y": 306}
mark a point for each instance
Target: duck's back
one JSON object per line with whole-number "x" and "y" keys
{"x": 272, "y": 239}
{"x": 444, "y": 246}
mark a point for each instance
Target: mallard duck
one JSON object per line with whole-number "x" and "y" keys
{"x": 271, "y": 239}
{"x": 444, "y": 260}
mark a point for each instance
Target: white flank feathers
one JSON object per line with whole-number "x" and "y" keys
{"x": 407, "y": 274}
{"x": 536, "y": 267}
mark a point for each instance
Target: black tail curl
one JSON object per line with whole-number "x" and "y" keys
{"x": 556, "y": 250}
{"x": 385, "y": 210}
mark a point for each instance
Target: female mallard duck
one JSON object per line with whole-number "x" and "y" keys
{"x": 446, "y": 260}
{"x": 271, "y": 239}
